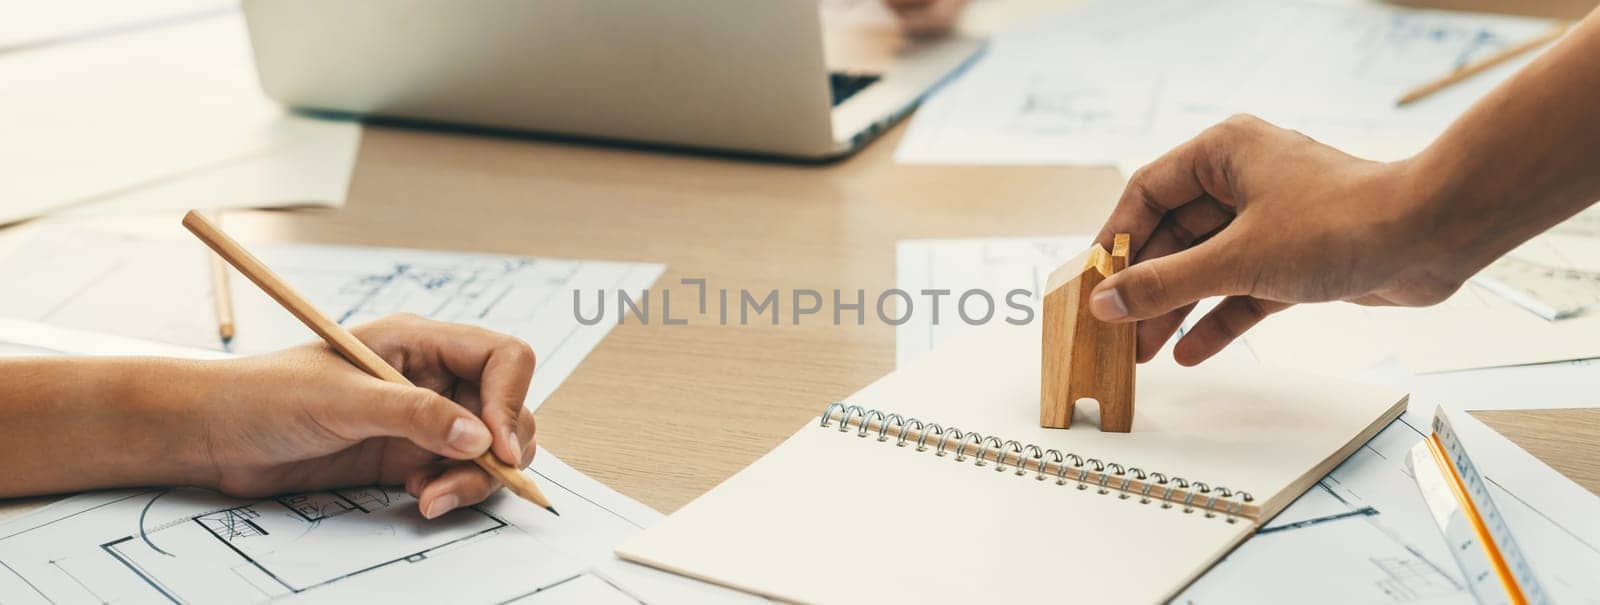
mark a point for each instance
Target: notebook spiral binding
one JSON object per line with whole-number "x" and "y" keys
{"x": 1112, "y": 476}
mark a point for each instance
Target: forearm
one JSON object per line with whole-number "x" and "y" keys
{"x": 1522, "y": 159}
{"x": 88, "y": 423}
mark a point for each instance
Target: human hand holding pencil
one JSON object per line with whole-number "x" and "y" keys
{"x": 304, "y": 419}
{"x": 503, "y": 465}
{"x": 433, "y": 406}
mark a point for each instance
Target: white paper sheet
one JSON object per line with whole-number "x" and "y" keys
{"x": 160, "y": 290}
{"x": 22, "y": 337}
{"x": 994, "y": 265}
{"x": 313, "y": 171}
{"x": 1473, "y": 329}
{"x": 1116, "y": 83}
{"x": 25, "y": 24}
{"x": 123, "y": 122}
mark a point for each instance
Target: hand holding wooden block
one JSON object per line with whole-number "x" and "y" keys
{"x": 1084, "y": 357}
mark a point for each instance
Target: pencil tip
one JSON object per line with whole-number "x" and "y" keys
{"x": 552, "y": 510}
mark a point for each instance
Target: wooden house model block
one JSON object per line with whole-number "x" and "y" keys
{"x": 1084, "y": 357}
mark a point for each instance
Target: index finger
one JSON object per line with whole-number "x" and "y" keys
{"x": 501, "y": 365}
{"x": 1180, "y": 176}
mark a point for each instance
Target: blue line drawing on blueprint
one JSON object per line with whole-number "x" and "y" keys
{"x": 1359, "y": 535}
{"x": 282, "y": 546}
{"x": 1067, "y": 103}
{"x": 137, "y": 287}
{"x": 192, "y": 546}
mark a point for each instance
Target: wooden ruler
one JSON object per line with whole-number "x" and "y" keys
{"x": 1495, "y": 569}
{"x": 1551, "y": 292}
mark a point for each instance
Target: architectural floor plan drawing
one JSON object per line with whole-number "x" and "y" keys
{"x": 345, "y": 545}
{"x": 1118, "y": 83}
{"x": 159, "y": 290}
{"x": 188, "y": 546}
{"x": 333, "y": 546}
{"x": 280, "y": 546}
{"x": 1360, "y": 535}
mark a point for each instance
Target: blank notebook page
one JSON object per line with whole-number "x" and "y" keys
{"x": 833, "y": 517}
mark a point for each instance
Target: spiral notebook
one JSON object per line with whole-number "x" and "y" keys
{"x": 936, "y": 484}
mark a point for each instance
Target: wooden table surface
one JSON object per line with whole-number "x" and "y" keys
{"x": 665, "y": 412}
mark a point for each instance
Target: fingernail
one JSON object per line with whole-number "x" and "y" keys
{"x": 441, "y": 505}
{"x": 1107, "y": 305}
{"x": 468, "y": 436}
{"x": 516, "y": 449}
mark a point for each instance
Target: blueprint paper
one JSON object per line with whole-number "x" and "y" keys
{"x": 362, "y": 543}
{"x": 1117, "y": 83}
{"x": 336, "y": 546}
{"x": 160, "y": 290}
{"x": 1361, "y": 535}
{"x": 1364, "y": 535}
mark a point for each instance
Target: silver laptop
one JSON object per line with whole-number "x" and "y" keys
{"x": 753, "y": 76}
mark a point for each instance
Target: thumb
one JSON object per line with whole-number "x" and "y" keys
{"x": 1159, "y": 285}
{"x": 428, "y": 419}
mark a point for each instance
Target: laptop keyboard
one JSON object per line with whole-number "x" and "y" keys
{"x": 846, "y": 85}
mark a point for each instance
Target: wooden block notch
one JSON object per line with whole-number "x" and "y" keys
{"x": 1084, "y": 357}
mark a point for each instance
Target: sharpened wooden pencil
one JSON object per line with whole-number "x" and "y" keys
{"x": 339, "y": 338}
{"x": 221, "y": 293}
{"x": 1481, "y": 65}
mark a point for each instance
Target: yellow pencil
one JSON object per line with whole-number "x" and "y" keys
{"x": 339, "y": 338}
{"x": 221, "y": 293}
{"x": 1481, "y": 65}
